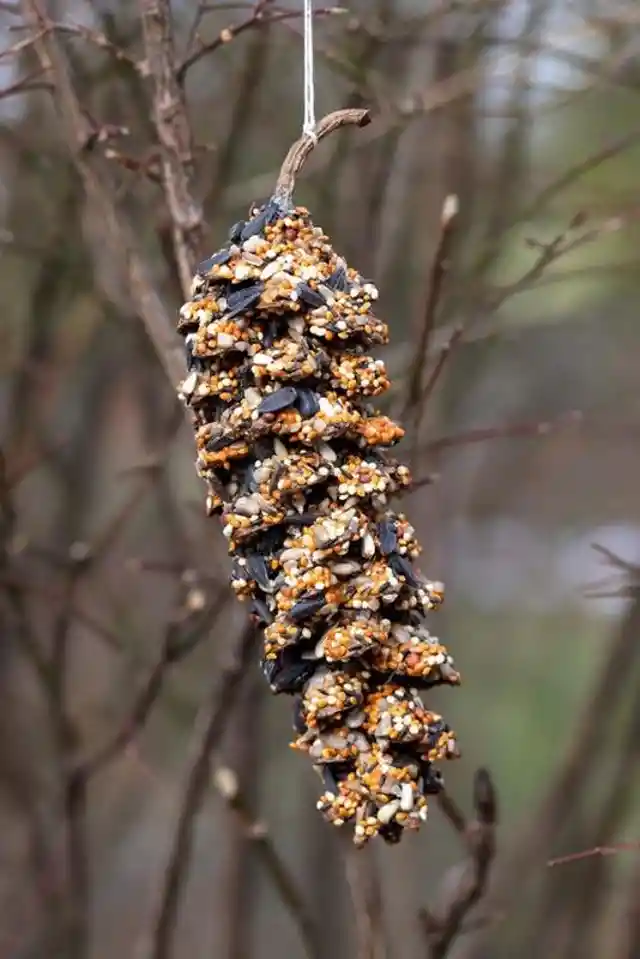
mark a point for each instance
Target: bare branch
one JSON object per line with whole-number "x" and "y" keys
{"x": 366, "y": 902}
{"x": 174, "y": 135}
{"x": 158, "y": 323}
{"x": 436, "y": 278}
{"x": 259, "y": 16}
{"x": 256, "y": 832}
{"x": 465, "y": 884}
{"x": 206, "y": 738}
{"x": 179, "y": 640}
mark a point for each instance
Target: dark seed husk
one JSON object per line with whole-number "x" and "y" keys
{"x": 307, "y": 401}
{"x": 287, "y": 674}
{"x": 307, "y": 606}
{"x": 256, "y": 224}
{"x": 240, "y": 300}
{"x": 217, "y": 443}
{"x": 257, "y": 569}
{"x": 298, "y": 719}
{"x": 280, "y": 400}
{"x": 235, "y": 233}
{"x": 309, "y": 296}
{"x": 402, "y": 567}
{"x": 329, "y": 779}
{"x": 338, "y": 280}
{"x": 222, "y": 256}
{"x": 388, "y": 537}
{"x": 261, "y": 611}
{"x": 391, "y": 833}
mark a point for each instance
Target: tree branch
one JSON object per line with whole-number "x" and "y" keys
{"x": 121, "y": 243}
{"x": 206, "y": 739}
{"x": 465, "y": 885}
{"x": 174, "y": 134}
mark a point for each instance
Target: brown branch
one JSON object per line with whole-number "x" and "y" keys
{"x": 573, "y": 418}
{"x": 28, "y": 84}
{"x": 302, "y": 149}
{"x": 437, "y": 274}
{"x": 256, "y": 832}
{"x": 95, "y": 37}
{"x": 179, "y": 640}
{"x": 631, "y": 846}
{"x": 366, "y": 901}
{"x": 174, "y": 135}
{"x": 465, "y": 885}
{"x": 117, "y": 234}
{"x": 258, "y": 17}
{"x": 206, "y": 738}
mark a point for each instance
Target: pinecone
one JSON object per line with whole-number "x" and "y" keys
{"x": 296, "y": 464}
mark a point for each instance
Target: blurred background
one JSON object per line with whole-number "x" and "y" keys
{"x": 526, "y": 412}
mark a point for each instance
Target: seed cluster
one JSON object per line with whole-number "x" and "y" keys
{"x": 296, "y": 464}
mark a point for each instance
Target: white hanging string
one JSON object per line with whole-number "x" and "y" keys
{"x": 309, "y": 123}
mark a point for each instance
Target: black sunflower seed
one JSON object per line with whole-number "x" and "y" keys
{"x": 250, "y": 483}
{"x": 270, "y": 333}
{"x": 310, "y": 296}
{"x": 388, "y": 537}
{"x": 431, "y": 778}
{"x": 307, "y": 606}
{"x": 329, "y": 780}
{"x": 300, "y": 519}
{"x": 298, "y": 719}
{"x": 307, "y": 401}
{"x": 217, "y": 443}
{"x": 235, "y": 233}
{"x": 261, "y": 612}
{"x": 222, "y": 256}
{"x": 239, "y": 300}
{"x": 257, "y": 569}
{"x": 338, "y": 280}
{"x": 279, "y": 400}
{"x": 402, "y": 567}
{"x": 269, "y": 214}
{"x": 287, "y": 674}
{"x": 391, "y": 833}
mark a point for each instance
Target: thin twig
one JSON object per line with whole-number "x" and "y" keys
{"x": 257, "y": 833}
{"x": 178, "y": 642}
{"x": 633, "y": 846}
{"x": 148, "y": 304}
{"x": 434, "y": 289}
{"x": 465, "y": 885}
{"x": 174, "y": 135}
{"x": 366, "y": 901}
{"x": 206, "y": 738}
{"x": 258, "y": 17}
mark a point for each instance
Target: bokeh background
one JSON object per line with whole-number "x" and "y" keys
{"x": 527, "y": 111}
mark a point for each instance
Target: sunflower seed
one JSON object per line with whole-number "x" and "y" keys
{"x": 261, "y": 611}
{"x": 257, "y": 569}
{"x": 279, "y": 400}
{"x": 222, "y": 256}
{"x": 388, "y": 537}
{"x": 338, "y": 279}
{"x": 307, "y": 607}
{"x": 239, "y": 300}
{"x": 402, "y": 567}
{"x": 309, "y": 296}
{"x": 307, "y": 401}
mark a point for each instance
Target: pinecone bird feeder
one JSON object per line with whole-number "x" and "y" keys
{"x": 295, "y": 459}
